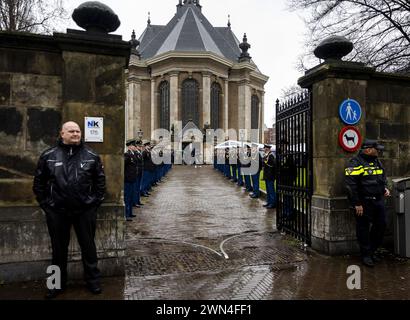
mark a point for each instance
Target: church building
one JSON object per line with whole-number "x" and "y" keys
{"x": 191, "y": 73}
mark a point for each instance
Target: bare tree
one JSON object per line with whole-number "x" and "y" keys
{"x": 40, "y": 16}
{"x": 291, "y": 91}
{"x": 379, "y": 29}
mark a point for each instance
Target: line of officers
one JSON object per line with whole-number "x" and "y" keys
{"x": 141, "y": 174}
{"x": 233, "y": 162}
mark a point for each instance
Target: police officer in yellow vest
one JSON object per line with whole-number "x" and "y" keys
{"x": 366, "y": 186}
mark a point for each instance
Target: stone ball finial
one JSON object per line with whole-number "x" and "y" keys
{"x": 334, "y": 47}
{"x": 95, "y": 16}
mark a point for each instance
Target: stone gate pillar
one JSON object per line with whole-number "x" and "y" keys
{"x": 385, "y": 102}
{"x": 50, "y": 80}
{"x": 333, "y": 227}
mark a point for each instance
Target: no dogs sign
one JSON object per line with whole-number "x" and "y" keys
{"x": 350, "y": 139}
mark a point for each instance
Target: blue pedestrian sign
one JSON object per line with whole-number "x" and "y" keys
{"x": 350, "y": 112}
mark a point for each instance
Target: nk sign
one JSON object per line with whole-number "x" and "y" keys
{"x": 94, "y": 129}
{"x": 350, "y": 112}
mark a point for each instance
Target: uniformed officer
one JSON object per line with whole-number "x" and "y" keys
{"x": 257, "y": 162}
{"x": 233, "y": 161}
{"x": 238, "y": 160}
{"x": 130, "y": 178}
{"x": 269, "y": 176}
{"x": 149, "y": 170}
{"x": 227, "y": 165}
{"x": 366, "y": 186}
{"x": 140, "y": 168}
{"x": 246, "y": 164}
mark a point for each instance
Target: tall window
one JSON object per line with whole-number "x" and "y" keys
{"x": 255, "y": 112}
{"x": 190, "y": 102}
{"x": 164, "y": 104}
{"x": 215, "y": 105}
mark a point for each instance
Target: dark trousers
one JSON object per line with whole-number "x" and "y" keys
{"x": 271, "y": 194}
{"x": 255, "y": 184}
{"x": 240, "y": 176}
{"x": 234, "y": 170}
{"x": 129, "y": 197}
{"x": 137, "y": 191}
{"x": 248, "y": 183}
{"x": 59, "y": 227}
{"x": 371, "y": 226}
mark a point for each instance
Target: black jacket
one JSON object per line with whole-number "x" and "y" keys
{"x": 364, "y": 178}
{"x": 69, "y": 177}
{"x": 269, "y": 165}
{"x": 148, "y": 163}
{"x": 130, "y": 167}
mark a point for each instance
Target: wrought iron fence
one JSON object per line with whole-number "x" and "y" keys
{"x": 294, "y": 166}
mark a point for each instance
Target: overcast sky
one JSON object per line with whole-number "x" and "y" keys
{"x": 276, "y": 35}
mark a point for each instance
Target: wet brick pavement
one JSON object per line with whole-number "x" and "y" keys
{"x": 175, "y": 252}
{"x": 201, "y": 237}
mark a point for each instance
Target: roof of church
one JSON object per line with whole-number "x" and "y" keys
{"x": 189, "y": 30}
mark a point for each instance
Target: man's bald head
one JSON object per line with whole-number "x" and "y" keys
{"x": 71, "y": 133}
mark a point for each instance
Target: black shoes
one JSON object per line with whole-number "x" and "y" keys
{"x": 53, "y": 293}
{"x": 266, "y": 205}
{"x": 94, "y": 288}
{"x": 368, "y": 261}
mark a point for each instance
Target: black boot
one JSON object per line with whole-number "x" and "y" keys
{"x": 368, "y": 261}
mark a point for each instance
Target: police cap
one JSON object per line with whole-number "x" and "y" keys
{"x": 130, "y": 142}
{"x": 372, "y": 144}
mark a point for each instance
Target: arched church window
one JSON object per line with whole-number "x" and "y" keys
{"x": 164, "y": 103}
{"x": 190, "y": 102}
{"x": 255, "y": 112}
{"x": 215, "y": 105}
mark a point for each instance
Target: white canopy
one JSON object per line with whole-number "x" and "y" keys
{"x": 238, "y": 144}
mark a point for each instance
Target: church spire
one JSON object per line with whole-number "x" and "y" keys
{"x": 194, "y": 2}
{"x": 149, "y": 19}
{"x": 229, "y": 21}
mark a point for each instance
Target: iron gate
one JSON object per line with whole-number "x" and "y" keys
{"x": 294, "y": 166}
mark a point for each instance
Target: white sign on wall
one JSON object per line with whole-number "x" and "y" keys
{"x": 94, "y": 129}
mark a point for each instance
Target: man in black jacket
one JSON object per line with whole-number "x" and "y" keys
{"x": 269, "y": 165}
{"x": 69, "y": 185}
{"x": 366, "y": 186}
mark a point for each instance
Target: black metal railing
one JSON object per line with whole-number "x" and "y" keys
{"x": 294, "y": 166}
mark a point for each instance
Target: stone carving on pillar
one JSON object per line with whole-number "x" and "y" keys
{"x": 96, "y": 17}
